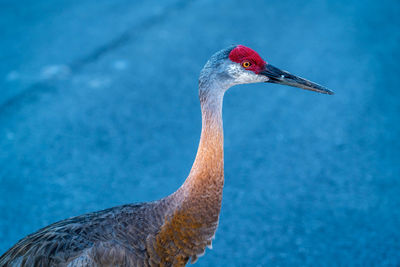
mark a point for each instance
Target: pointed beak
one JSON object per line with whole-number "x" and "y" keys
{"x": 276, "y": 75}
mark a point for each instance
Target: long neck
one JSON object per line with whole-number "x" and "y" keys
{"x": 193, "y": 210}
{"x": 201, "y": 193}
{"x": 207, "y": 172}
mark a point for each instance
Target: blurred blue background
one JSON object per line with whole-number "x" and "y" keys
{"x": 99, "y": 107}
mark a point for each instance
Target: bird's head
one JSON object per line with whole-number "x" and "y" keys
{"x": 239, "y": 64}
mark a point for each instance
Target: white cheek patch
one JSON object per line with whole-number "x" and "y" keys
{"x": 244, "y": 76}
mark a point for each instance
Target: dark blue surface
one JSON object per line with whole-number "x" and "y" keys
{"x": 99, "y": 107}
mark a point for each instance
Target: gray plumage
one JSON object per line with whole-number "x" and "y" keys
{"x": 112, "y": 237}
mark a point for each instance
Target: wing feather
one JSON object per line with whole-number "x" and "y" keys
{"x": 113, "y": 236}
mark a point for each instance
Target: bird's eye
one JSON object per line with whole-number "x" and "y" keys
{"x": 246, "y": 64}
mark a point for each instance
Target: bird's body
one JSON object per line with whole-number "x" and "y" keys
{"x": 129, "y": 235}
{"x": 177, "y": 228}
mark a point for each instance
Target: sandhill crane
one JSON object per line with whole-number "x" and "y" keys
{"x": 177, "y": 228}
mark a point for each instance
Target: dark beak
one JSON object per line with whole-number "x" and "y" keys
{"x": 276, "y": 75}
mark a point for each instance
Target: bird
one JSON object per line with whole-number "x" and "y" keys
{"x": 173, "y": 230}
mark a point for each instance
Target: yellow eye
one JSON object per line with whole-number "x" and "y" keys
{"x": 246, "y": 64}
